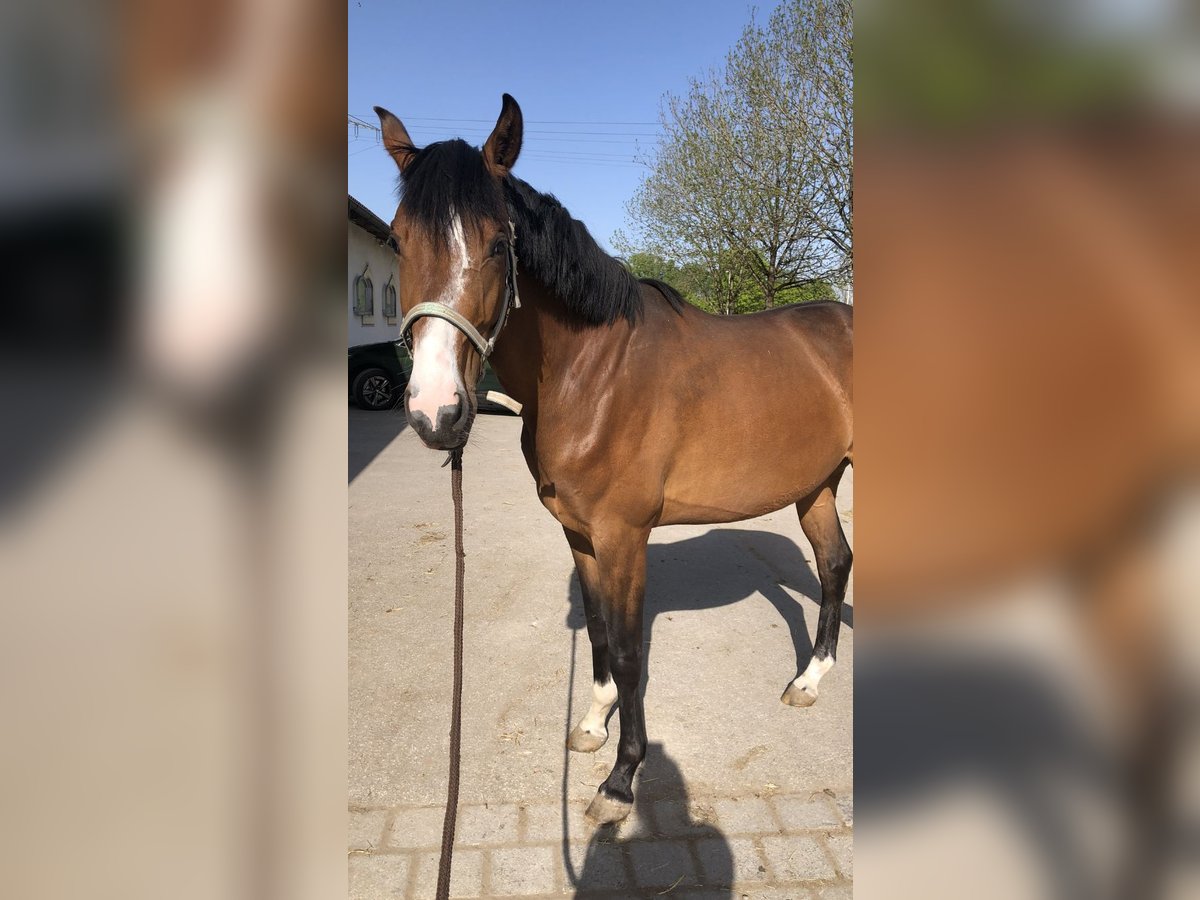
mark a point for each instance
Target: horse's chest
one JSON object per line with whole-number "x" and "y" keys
{"x": 561, "y": 482}
{"x": 559, "y": 493}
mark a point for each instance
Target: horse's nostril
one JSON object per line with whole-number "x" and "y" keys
{"x": 419, "y": 422}
{"x": 463, "y": 409}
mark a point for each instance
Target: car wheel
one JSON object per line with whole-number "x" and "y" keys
{"x": 373, "y": 389}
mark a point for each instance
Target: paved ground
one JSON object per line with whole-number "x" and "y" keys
{"x": 740, "y": 796}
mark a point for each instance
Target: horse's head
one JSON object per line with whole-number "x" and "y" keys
{"x": 457, "y": 271}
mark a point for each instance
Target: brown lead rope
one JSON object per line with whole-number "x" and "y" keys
{"x": 443, "y": 885}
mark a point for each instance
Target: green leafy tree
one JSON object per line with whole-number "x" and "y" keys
{"x": 644, "y": 264}
{"x": 810, "y": 293}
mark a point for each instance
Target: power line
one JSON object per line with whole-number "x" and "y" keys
{"x": 480, "y": 129}
{"x": 557, "y": 151}
{"x": 359, "y": 125}
{"x": 540, "y": 131}
{"x": 428, "y": 133}
{"x": 533, "y": 152}
{"x": 531, "y": 147}
{"x": 549, "y": 156}
{"x": 600, "y": 153}
{"x": 601, "y": 164}
{"x": 529, "y": 121}
{"x": 431, "y": 131}
{"x": 556, "y": 140}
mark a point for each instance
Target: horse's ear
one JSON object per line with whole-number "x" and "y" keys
{"x": 395, "y": 139}
{"x": 502, "y": 148}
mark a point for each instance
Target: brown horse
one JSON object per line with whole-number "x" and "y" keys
{"x": 639, "y": 410}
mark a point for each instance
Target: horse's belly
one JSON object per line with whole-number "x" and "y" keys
{"x": 684, "y": 511}
{"x": 750, "y": 461}
{"x": 730, "y": 490}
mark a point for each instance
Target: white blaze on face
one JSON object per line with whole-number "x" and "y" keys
{"x": 603, "y": 697}
{"x": 435, "y": 380}
{"x": 201, "y": 322}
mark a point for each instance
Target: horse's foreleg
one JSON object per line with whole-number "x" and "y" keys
{"x": 623, "y": 583}
{"x": 592, "y": 731}
{"x": 819, "y": 520}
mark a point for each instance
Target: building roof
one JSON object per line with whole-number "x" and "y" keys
{"x": 367, "y": 220}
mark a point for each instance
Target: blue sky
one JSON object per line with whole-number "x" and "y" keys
{"x": 569, "y": 65}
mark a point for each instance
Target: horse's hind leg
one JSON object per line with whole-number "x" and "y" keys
{"x": 819, "y": 520}
{"x": 592, "y": 731}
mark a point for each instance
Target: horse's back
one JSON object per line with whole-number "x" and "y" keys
{"x": 825, "y": 320}
{"x": 799, "y": 332}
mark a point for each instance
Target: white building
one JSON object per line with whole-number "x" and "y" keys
{"x": 371, "y": 304}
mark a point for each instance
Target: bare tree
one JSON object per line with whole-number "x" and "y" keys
{"x": 752, "y": 177}
{"x": 814, "y": 42}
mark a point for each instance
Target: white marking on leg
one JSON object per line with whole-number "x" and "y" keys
{"x": 435, "y": 380}
{"x": 812, "y": 675}
{"x": 603, "y": 697}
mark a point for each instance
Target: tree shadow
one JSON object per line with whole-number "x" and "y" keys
{"x": 369, "y": 434}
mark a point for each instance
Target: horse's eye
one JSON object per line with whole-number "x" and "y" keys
{"x": 393, "y": 243}
{"x": 498, "y": 248}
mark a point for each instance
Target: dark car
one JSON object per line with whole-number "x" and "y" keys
{"x": 379, "y": 374}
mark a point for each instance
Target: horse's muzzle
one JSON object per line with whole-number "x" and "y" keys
{"x": 448, "y": 431}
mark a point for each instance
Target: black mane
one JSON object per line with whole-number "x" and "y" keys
{"x": 449, "y": 178}
{"x": 558, "y": 251}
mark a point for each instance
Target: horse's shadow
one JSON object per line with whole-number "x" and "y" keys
{"x": 721, "y": 567}
{"x": 662, "y": 858}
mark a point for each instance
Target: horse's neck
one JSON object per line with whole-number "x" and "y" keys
{"x": 541, "y": 347}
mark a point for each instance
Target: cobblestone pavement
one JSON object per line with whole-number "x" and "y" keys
{"x": 769, "y": 846}
{"x": 739, "y": 796}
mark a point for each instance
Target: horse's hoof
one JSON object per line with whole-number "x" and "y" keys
{"x": 797, "y": 696}
{"x": 585, "y": 742}
{"x": 606, "y": 810}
